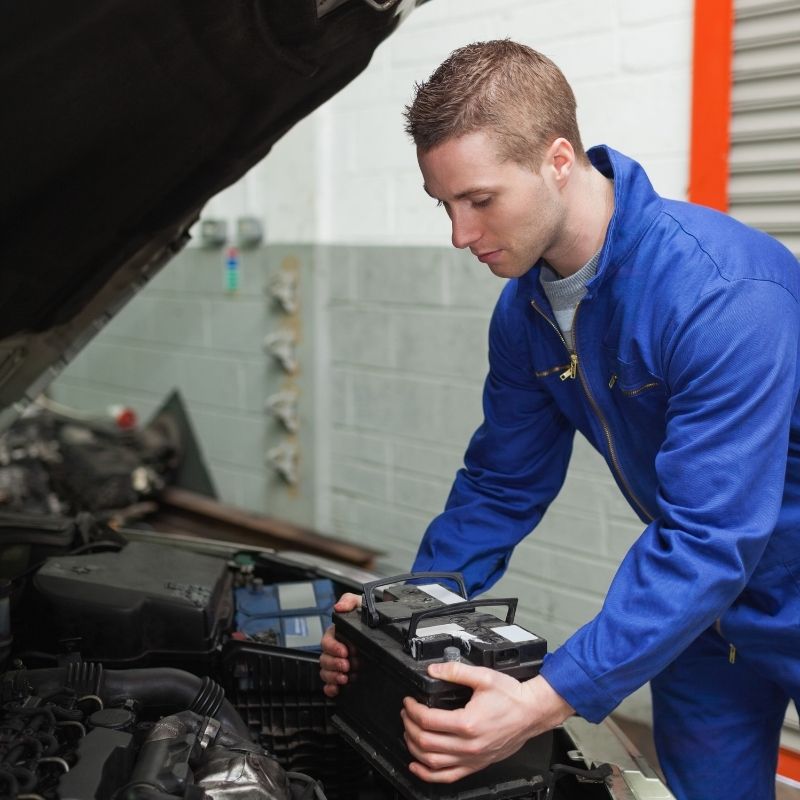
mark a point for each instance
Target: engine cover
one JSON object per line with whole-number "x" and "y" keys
{"x": 139, "y": 603}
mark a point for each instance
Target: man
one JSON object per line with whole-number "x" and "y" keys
{"x": 668, "y": 335}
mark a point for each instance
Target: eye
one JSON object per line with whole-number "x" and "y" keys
{"x": 481, "y": 203}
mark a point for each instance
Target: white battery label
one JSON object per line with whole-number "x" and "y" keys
{"x": 450, "y": 628}
{"x": 296, "y": 595}
{"x": 515, "y": 634}
{"x": 302, "y": 631}
{"x": 440, "y": 593}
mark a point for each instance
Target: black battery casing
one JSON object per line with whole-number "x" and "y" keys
{"x": 387, "y": 665}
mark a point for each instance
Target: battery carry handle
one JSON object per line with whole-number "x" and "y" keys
{"x": 373, "y": 618}
{"x": 471, "y": 605}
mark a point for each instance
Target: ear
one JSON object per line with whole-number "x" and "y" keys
{"x": 559, "y": 160}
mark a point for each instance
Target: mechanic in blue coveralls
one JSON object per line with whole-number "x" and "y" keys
{"x": 667, "y": 334}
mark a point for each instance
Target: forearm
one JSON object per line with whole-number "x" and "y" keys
{"x": 547, "y": 708}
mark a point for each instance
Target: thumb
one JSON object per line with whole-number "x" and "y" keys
{"x": 457, "y": 672}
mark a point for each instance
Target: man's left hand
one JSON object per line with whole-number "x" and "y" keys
{"x": 499, "y": 718}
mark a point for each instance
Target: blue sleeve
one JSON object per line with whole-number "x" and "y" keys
{"x": 513, "y": 468}
{"x": 732, "y": 372}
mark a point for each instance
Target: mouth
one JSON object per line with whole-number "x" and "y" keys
{"x": 488, "y": 257}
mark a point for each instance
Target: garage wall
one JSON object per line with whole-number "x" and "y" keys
{"x": 408, "y": 326}
{"x": 400, "y": 317}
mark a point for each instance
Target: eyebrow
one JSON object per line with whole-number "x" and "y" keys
{"x": 461, "y": 195}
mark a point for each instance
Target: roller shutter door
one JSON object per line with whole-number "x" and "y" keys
{"x": 764, "y": 183}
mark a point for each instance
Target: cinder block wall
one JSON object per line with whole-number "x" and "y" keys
{"x": 408, "y": 344}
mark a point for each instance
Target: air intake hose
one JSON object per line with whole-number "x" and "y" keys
{"x": 161, "y": 690}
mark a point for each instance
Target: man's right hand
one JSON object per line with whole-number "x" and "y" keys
{"x": 334, "y": 662}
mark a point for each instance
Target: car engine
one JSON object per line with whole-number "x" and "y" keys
{"x": 134, "y": 669}
{"x": 145, "y": 734}
{"x": 125, "y": 677}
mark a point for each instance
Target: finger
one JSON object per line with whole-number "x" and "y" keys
{"x": 433, "y": 761}
{"x": 333, "y": 647}
{"x": 424, "y": 741}
{"x": 464, "y": 674}
{"x": 329, "y": 690}
{"x": 333, "y": 676}
{"x": 447, "y": 775}
{"x": 348, "y": 602}
{"x": 434, "y": 719}
{"x": 333, "y": 664}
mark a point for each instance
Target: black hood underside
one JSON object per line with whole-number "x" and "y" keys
{"x": 121, "y": 119}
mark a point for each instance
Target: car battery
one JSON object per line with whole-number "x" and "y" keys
{"x": 392, "y": 639}
{"x": 285, "y": 614}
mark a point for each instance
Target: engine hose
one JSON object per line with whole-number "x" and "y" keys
{"x": 24, "y": 744}
{"x": 67, "y": 714}
{"x": 209, "y": 699}
{"x": 162, "y": 689}
{"x": 164, "y": 767}
{"x": 11, "y": 783}
{"x": 20, "y": 711}
{"x": 26, "y": 779}
{"x": 52, "y": 745}
{"x": 172, "y": 688}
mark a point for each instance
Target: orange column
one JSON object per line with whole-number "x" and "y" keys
{"x": 711, "y": 101}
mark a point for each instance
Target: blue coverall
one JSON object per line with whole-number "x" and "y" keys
{"x": 685, "y": 378}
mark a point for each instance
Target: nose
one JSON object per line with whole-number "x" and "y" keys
{"x": 465, "y": 229}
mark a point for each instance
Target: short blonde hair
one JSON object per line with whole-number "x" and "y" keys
{"x": 507, "y": 88}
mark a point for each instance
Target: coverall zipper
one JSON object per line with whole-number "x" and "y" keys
{"x": 571, "y": 372}
{"x": 632, "y": 392}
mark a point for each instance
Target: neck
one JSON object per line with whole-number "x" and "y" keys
{"x": 589, "y": 204}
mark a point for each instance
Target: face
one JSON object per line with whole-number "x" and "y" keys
{"x": 508, "y": 215}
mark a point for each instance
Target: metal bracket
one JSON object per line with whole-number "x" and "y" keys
{"x": 283, "y": 405}
{"x": 283, "y": 288}
{"x": 284, "y": 459}
{"x": 281, "y": 345}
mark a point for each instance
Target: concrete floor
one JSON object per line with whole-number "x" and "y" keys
{"x": 641, "y": 735}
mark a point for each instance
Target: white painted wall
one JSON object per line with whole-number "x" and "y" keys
{"x": 627, "y": 60}
{"x": 348, "y": 174}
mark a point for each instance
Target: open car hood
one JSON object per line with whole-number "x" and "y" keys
{"x": 122, "y": 119}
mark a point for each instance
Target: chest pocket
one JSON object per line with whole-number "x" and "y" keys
{"x": 638, "y": 395}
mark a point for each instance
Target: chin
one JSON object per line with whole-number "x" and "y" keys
{"x": 510, "y": 270}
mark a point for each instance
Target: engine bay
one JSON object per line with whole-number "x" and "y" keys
{"x": 139, "y": 670}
